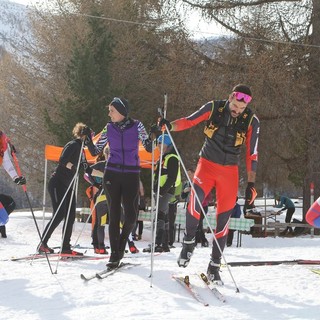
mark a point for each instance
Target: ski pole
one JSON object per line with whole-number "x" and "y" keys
{"x": 56, "y": 212}
{"x": 158, "y": 195}
{"x": 152, "y": 198}
{"x": 24, "y": 187}
{"x": 202, "y": 210}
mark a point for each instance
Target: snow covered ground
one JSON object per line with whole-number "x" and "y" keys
{"x": 29, "y": 290}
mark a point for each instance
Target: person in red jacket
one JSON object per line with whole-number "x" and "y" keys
{"x": 7, "y": 203}
{"x": 6, "y": 149}
{"x": 229, "y": 125}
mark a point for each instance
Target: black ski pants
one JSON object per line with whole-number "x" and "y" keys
{"x": 289, "y": 214}
{"x": 57, "y": 191}
{"x": 121, "y": 188}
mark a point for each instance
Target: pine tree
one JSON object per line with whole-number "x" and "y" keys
{"x": 89, "y": 80}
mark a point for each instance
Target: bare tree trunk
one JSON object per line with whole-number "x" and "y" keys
{"x": 313, "y": 159}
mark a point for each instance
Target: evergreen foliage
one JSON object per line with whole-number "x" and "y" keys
{"x": 89, "y": 80}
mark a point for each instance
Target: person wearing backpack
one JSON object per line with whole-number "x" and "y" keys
{"x": 229, "y": 125}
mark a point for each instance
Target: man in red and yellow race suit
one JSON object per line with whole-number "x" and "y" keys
{"x": 229, "y": 125}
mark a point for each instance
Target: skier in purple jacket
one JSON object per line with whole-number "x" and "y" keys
{"x": 122, "y": 172}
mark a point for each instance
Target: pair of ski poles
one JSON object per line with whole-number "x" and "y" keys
{"x": 72, "y": 184}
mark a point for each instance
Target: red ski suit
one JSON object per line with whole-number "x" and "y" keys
{"x": 218, "y": 166}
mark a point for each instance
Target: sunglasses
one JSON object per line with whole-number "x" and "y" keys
{"x": 242, "y": 97}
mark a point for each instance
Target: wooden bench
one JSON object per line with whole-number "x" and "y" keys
{"x": 238, "y": 224}
{"x": 278, "y": 226}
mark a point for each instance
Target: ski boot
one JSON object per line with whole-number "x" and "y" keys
{"x": 43, "y": 248}
{"x": 114, "y": 261}
{"x": 3, "y": 231}
{"x": 186, "y": 252}
{"x": 132, "y": 247}
{"x": 165, "y": 247}
{"x": 213, "y": 273}
{"x": 68, "y": 250}
{"x": 205, "y": 243}
{"x": 100, "y": 251}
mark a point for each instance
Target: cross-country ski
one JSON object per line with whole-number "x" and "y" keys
{"x": 212, "y": 288}
{"x": 288, "y": 289}
{"x": 62, "y": 256}
{"x": 108, "y": 272}
{"x": 274, "y": 262}
{"x": 184, "y": 281}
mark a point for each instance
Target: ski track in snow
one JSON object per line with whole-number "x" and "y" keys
{"x": 30, "y": 292}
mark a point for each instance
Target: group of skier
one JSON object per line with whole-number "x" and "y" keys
{"x": 229, "y": 124}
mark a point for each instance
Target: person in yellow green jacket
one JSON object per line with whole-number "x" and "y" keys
{"x": 170, "y": 179}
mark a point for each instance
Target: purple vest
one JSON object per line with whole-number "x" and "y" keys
{"x": 124, "y": 148}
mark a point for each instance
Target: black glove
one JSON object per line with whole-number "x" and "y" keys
{"x": 166, "y": 122}
{"x": 154, "y": 129}
{"x": 20, "y": 181}
{"x": 86, "y": 131}
{"x": 154, "y": 132}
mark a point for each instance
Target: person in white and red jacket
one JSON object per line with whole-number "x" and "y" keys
{"x": 7, "y": 203}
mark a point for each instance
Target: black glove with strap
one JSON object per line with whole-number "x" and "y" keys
{"x": 154, "y": 129}
{"x": 165, "y": 122}
{"x": 20, "y": 181}
{"x": 86, "y": 131}
{"x": 154, "y": 132}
